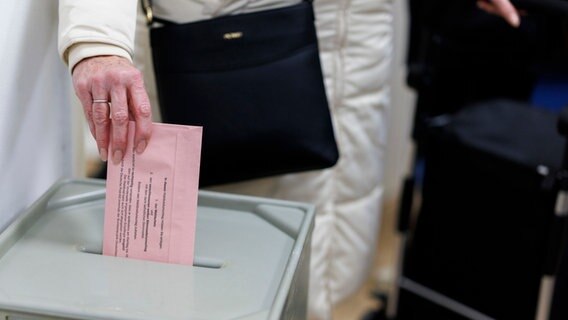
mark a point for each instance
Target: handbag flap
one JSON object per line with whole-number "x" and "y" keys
{"x": 236, "y": 41}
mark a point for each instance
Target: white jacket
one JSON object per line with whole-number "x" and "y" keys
{"x": 355, "y": 44}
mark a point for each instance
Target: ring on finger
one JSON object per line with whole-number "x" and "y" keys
{"x": 108, "y": 104}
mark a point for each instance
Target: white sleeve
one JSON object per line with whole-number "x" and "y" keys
{"x": 90, "y": 28}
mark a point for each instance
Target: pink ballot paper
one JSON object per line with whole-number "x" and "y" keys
{"x": 151, "y": 198}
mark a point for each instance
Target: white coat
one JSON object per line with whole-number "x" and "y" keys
{"x": 355, "y": 44}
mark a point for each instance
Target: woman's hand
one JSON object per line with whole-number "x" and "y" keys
{"x": 112, "y": 92}
{"x": 502, "y": 8}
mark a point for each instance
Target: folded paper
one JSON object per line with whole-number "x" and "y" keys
{"x": 151, "y": 198}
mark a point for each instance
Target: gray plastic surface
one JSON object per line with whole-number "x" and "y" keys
{"x": 249, "y": 253}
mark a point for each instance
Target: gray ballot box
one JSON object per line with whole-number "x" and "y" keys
{"x": 251, "y": 262}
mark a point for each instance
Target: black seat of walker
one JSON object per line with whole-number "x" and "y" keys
{"x": 514, "y": 131}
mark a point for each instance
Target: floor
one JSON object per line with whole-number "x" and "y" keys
{"x": 383, "y": 273}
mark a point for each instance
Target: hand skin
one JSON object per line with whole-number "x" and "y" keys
{"x": 502, "y": 8}
{"x": 115, "y": 79}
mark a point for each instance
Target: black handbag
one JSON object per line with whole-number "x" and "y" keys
{"x": 254, "y": 82}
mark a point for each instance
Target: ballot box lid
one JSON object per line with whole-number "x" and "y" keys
{"x": 247, "y": 251}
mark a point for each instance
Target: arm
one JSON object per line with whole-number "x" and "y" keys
{"x": 96, "y": 40}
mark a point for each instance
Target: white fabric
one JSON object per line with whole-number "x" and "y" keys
{"x": 85, "y": 22}
{"x": 34, "y": 105}
{"x": 355, "y": 43}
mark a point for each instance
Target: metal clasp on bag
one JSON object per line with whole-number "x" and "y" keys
{"x": 232, "y": 35}
{"x": 147, "y": 7}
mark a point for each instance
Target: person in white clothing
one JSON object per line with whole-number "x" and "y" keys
{"x": 96, "y": 39}
{"x": 105, "y": 74}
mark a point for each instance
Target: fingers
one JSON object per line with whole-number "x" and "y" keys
{"x": 96, "y": 114}
{"x": 119, "y": 122}
{"x": 100, "y": 117}
{"x": 113, "y": 79}
{"x": 487, "y": 7}
{"x": 142, "y": 112}
{"x": 507, "y": 11}
{"x": 503, "y": 8}
{"x": 85, "y": 98}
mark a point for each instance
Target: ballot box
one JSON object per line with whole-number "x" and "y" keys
{"x": 251, "y": 262}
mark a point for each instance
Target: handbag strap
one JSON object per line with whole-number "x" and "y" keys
{"x": 150, "y": 18}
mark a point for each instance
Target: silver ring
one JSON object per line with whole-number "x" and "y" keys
{"x": 100, "y": 101}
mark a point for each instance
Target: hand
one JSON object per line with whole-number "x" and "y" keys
{"x": 114, "y": 79}
{"x": 502, "y": 8}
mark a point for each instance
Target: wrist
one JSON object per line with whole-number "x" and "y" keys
{"x": 84, "y": 50}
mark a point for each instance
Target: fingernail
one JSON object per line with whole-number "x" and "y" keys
{"x": 104, "y": 154}
{"x": 141, "y": 146}
{"x": 117, "y": 157}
